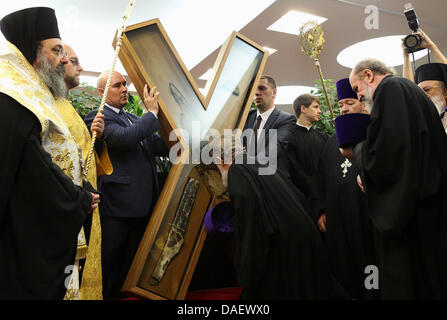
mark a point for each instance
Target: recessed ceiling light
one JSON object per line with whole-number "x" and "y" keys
{"x": 185, "y": 24}
{"x": 292, "y": 21}
{"x": 270, "y": 50}
{"x": 287, "y": 94}
{"x": 206, "y": 75}
{"x": 387, "y": 49}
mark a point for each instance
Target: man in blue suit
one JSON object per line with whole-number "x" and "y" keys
{"x": 268, "y": 118}
{"x": 131, "y": 191}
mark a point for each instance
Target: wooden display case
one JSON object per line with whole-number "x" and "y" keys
{"x": 149, "y": 57}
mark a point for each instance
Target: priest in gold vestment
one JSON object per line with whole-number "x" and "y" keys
{"x": 91, "y": 287}
{"x": 43, "y": 200}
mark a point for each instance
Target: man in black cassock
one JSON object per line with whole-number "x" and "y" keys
{"x": 305, "y": 143}
{"x": 277, "y": 251}
{"x": 404, "y": 172}
{"x": 340, "y": 208}
{"x": 432, "y": 78}
{"x": 41, "y": 209}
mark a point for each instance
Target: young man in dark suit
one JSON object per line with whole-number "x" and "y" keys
{"x": 265, "y": 120}
{"x": 131, "y": 191}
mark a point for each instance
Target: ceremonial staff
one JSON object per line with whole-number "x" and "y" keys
{"x": 109, "y": 79}
{"x": 311, "y": 42}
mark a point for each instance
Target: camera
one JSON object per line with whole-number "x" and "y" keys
{"x": 412, "y": 41}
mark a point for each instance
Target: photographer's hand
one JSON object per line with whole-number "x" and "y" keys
{"x": 427, "y": 43}
{"x": 407, "y": 71}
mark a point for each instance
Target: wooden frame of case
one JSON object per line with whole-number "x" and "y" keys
{"x": 175, "y": 282}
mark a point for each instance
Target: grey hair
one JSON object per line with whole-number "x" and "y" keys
{"x": 375, "y": 65}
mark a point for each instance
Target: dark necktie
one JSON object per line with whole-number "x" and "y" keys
{"x": 257, "y": 124}
{"x": 123, "y": 114}
{"x": 255, "y": 132}
{"x": 126, "y": 117}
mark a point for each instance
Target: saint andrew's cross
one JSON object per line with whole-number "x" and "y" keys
{"x": 171, "y": 245}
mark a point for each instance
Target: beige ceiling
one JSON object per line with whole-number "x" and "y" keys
{"x": 344, "y": 27}
{"x": 89, "y": 26}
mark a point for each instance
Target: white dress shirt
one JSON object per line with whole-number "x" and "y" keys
{"x": 308, "y": 128}
{"x": 264, "y": 117}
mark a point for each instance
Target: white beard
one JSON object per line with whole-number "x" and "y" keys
{"x": 439, "y": 103}
{"x": 369, "y": 100}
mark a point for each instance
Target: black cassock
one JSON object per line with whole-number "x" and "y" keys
{"x": 349, "y": 235}
{"x": 41, "y": 211}
{"x": 306, "y": 146}
{"x": 278, "y": 253}
{"x": 303, "y": 152}
{"x": 404, "y": 160}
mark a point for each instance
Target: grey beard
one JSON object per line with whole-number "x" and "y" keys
{"x": 52, "y": 77}
{"x": 439, "y": 104}
{"x": 369, "y": 100}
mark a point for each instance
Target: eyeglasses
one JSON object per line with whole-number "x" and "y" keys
{"x": 59, "y": 51}
{"x": 74, "y": 61}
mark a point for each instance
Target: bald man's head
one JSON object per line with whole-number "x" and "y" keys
{"x": 73, "y": 68}
{"x": 118, "y": 95}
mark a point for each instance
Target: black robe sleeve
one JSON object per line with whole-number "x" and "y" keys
{"x": 41, "y": 211}
{"x": 256, "y": 229}
{"x": 277, "y": 251}
{"x": 392, "y": 155}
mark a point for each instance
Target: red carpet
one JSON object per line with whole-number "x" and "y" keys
{"x": 212, "y": 294}
{"x": 215, "y": 294}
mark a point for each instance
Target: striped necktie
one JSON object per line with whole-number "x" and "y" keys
{"x": 255, "y": 132}
{"x": 123, "y": 114}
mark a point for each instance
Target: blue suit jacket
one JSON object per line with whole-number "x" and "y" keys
{"x": 132, "y": 189}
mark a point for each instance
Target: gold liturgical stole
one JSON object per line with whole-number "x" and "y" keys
{"x": 91, "y": 288}
{"x": 20, "y": 81}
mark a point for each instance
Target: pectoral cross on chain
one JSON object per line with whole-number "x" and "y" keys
{"x": 345, "y": 165}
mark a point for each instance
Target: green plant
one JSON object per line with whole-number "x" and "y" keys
{"x": 84, "y": 99}
{"x": 253, "y": 106}
{"x": 133, "y": 106}
{"x": 326, "y": 124}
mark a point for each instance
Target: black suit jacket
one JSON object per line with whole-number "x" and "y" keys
{"x": 132, "y": 189}
{"x": 282, "y": 121}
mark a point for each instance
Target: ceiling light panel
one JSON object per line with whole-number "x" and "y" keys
{"x": 293, "y": 20}
{"x": 387, "y": 49}
{"x": 287, "y": 94}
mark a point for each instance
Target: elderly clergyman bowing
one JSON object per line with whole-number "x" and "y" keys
{"x": 404, "y": 163}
